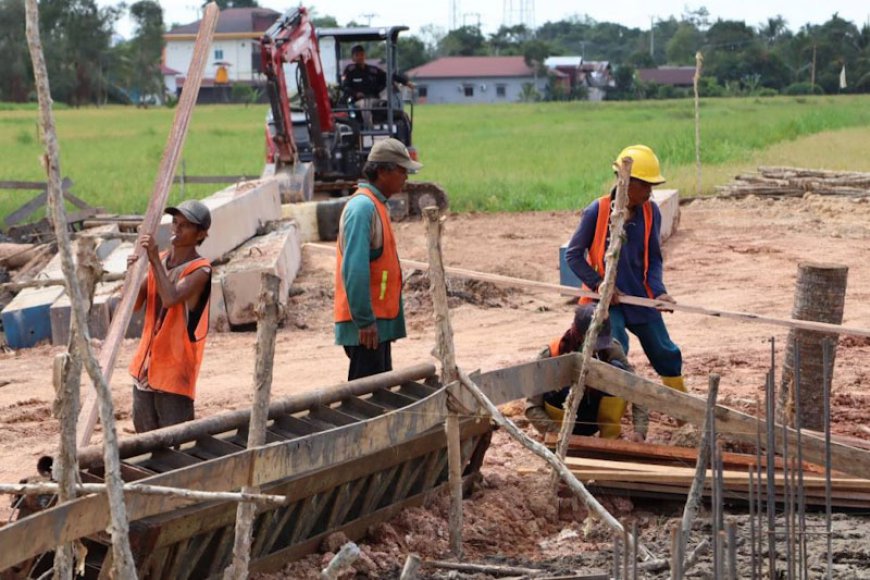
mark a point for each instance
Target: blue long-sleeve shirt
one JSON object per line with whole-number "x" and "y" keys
{"x": 629, "y": 274}
{"x": 359, "y": 227}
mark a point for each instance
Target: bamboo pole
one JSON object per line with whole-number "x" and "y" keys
{"x": 541, "y": 451}
{"x": 42, "y": 283}
{"x": 156, "y": 205}
{"x": 445, "y": 352}
{"x": 618, "y": 216}
{"x": 140, "y": 488}
{"x": 512, "y": 282}
{"x": 267, "y": 327}
{"x": 699, "y": 63}
{"x": 122, "y": 557}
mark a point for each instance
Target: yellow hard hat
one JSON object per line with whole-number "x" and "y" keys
{"x": 645, "y": 166}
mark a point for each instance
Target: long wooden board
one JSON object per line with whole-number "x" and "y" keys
{"x": 740, "y": 426}
{"x": 163, "y": 183}
{"x": 634, "y": 300}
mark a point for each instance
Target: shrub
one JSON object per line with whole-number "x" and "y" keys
{"x": 766, "y": 92}
{"x": 803, "y": 89}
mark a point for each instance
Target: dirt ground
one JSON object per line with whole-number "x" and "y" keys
{"x": 730, "y": 255}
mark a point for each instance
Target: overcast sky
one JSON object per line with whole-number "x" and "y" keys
{"x": 634, "y": 13}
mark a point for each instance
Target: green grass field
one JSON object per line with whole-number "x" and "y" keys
{"x": 507, "y": 157}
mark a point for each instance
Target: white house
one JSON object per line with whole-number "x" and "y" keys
{"x": 475, "y": 79}
{"x": 235, "y": 50}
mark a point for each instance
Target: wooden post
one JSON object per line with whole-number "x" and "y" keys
{"x": 409, "y": 571}
{"x": 156, "y": 205}
{"x": 267, "y": 327}
{"x": 449, "y": 375}
{"x": 67, "y": 384}
{"x": 122, "y": 557}
{"x": 699, "y": 63}
{"x": 611, "y": 260}
{"x": 820, "y": 295}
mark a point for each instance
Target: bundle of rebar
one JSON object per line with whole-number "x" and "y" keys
{"x": 796, "y": 182}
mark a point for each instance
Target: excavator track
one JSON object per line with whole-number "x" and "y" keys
{"x": 405, "y": 205}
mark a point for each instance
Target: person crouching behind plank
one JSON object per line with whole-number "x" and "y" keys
{"x": 598, "y": 413}
{"x": 176, "y": 296}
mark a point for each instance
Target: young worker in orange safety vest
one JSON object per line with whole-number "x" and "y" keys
{"x": 597, "y": 413}
{"x": 639, "y": 271}
{"x": 176, "y": 298}
{"x": 368, "y": 310}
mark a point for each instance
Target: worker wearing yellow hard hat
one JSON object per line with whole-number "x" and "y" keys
{"x": 640, "y": 267}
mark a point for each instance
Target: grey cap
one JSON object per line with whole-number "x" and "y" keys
{"x": 582, "y": 320}
{"x": 393, "y": 151}
{"x": 194, "y": 211}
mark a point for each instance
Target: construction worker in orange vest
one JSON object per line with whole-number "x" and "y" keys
{"x": 640, "y": 264}
{"x": 598, "y": 413}
{"x": 176, "y": 298}
{"x": 368, "y": 309}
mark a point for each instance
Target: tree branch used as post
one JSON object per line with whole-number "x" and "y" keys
{"x": 123, "y": 564}
{"x": 67, "y": 383}
{"x": 606, "y": 289}
{"x": 696, "y": 80}
{"x": 444, "y": 351}
{"x": 552, "y": 459}
{"x": 267, "y": 327}
{"x": 690, "y": 510}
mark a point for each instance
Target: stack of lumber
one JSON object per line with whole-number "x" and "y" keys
{"x": 795, "y": 182}
{"x": 664, "y": 472}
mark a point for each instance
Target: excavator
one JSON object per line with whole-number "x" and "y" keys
{"x": 317, "y": 137}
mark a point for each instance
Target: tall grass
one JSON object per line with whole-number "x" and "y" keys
{"x": 507, "y": 157}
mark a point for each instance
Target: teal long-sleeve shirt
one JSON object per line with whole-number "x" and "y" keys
{"x": 356, "y": 236}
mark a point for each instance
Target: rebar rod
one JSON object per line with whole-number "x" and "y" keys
{"x": 715, "y": 499}
{"x": 786, "y": 499}
{"x": 802, "y": 519}
{"x": 719, "y": 482}
{"x": 827, "y": 357}
{"x": 752, "y": 508}
{"x": 771, "y": 474}
{"x": 732, "y": 551}
{"x": 759, "y": 512}
{"x": 634, "y": 550}
{"x": 616, "y": 557}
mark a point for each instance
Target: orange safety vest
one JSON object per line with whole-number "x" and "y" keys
{"x": 599, "y": 242}
{"x": 555, "y": 347}
{"x": 385, "y": 273}
{"x": 175, "y": 358}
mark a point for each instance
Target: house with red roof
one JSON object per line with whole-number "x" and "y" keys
{"x": 476, "y": 79}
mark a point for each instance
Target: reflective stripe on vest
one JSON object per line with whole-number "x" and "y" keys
{"x": 385, "y": 273}
{"x": 599, "y": 242}
{"x": 175, "y": 359}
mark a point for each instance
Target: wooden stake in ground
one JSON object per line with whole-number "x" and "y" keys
{"x": 267, "y": 327}
{"x": 690, "y": 511}
{"x": 123, "y": 565}
{"x": 445, "y": 353}
{"x": 156, "y": 205}
{"x": 820, "y": 294}
{"x": 699, "y": 63}
{"x": 67, "y": 384}
{"x": 605, "y": 290}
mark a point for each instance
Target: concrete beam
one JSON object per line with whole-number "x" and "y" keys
{"x": 668, "y": 201}
{"x": 278, "y": 252}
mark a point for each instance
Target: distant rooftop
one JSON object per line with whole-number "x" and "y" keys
{"x": 234, "y": 21}
{"x": 678, "y": 76}
{"x": 473, "y": 66}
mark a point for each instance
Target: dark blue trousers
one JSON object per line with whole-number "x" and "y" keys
{"x": 664, "y": 356}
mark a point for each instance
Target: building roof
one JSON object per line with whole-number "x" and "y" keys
{"x": 168, "y": 71}
{"x": 473, "y": 67}
{"x": 679, "y": 76}
{"x": 234, "y": 21}
{"x": 563, "y": 61}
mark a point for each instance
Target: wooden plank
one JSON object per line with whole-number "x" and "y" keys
{"x": 210, "y": 179}
{"x": 652, "y": 451}
{"x": 740, "y": 426}
{"x": 681, "y": 476}
{"x": 25, "y": 210}
{"x": 150, "y": 222}
{"x": 22, "y": 185}
{"x": 633, "y": 300}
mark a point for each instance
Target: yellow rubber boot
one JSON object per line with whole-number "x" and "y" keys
{"x": 610, "y": 412}
{"x": 676, "y": 383}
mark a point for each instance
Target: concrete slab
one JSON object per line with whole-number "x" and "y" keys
{"x": 217, "y": 308}
{"x": 278, "y": 252}
{"x": 305, "y": 215}
{"x": 98, "y": 319}
{"x": 668, "y": 201}
{"x": 237, "y": 213}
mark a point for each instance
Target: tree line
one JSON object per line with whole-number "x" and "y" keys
{"x": 89, "y": 65}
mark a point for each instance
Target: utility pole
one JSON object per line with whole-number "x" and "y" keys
{"x": 813, "y": 69}
{"x": 652, "y": 42}
{"x": 368, "y": 16}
